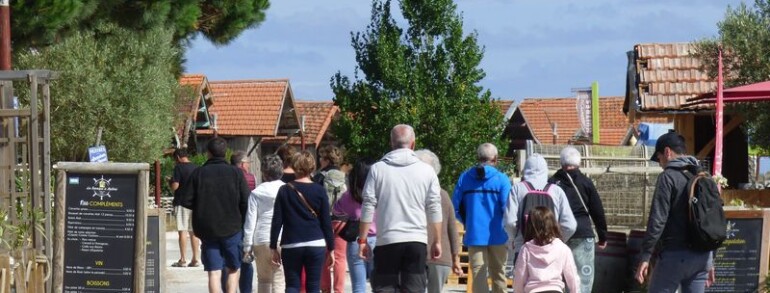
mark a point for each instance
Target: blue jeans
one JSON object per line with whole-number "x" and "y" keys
{"x": 583, "y": 252}
{"x": 310, "y": 258}
{"x": 680, "y": 267}
{"x": 360, "y": 270}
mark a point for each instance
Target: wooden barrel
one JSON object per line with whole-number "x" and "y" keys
{"x": 635, "y": 238}
{"x": 611, "y": 264}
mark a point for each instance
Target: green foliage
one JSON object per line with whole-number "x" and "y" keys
{"x": 45, "y": 22}
{"x": 425, "y": 75}
{"x": 113, "y": 78}
{"x": 744, "y": 36}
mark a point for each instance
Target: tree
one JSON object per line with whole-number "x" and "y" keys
{"x": 744, "y": 35}
{"x": 44, "y": 22}
{"x": 426, "y": 76}
{"x": 113, "y": 78}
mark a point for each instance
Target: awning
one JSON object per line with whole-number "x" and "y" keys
{"x": 756, "y": 92}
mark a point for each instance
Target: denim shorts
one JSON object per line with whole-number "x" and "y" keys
{"x": 218, "y": 253}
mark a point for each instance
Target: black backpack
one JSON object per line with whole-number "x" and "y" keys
{"x": 534, "y": 198}
{"x": 707, "y": 226}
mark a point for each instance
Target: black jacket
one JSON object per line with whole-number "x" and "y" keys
{"x": 591, "y": 199}
{"x": 667, "y": 224}
{"x": 218, "y": 195}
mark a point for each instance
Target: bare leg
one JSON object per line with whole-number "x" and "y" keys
{"x": 183, "y": 246}
{"x": 232, "y": 280}
{"x": 215, "y": 281}
{"x": 196, "y": 247}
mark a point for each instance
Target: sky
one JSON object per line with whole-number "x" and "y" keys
{"x": 533, "y": 48}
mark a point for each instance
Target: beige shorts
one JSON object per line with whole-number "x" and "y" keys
{"x": 183, "y": 218}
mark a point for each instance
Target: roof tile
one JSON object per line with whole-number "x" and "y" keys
{"x": 318, "y": 118}
{"x": 247, "y": 107}
{"x": 539, "y": 113}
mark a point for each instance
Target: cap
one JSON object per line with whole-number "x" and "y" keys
{"x": 670, "y": 140}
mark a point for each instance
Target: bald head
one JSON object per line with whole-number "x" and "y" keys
{"x": 402, "y": 136}
{"x": 486, "y": 153}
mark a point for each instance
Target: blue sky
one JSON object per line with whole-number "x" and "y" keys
{"x": 533, "y": 48}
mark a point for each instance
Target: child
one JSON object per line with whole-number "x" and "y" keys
{"x": 544, "y": 259}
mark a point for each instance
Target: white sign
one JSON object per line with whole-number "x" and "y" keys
{"x": 97, "y": 154}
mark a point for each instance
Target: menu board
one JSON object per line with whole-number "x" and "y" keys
{"x": 738, "y": 263}
{"x": 151, "y": 269}
{"x": 100, "y": 232}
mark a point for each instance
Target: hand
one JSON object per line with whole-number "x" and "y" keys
{"x": 641, "y": 271}
{"x": 712, "y": 277}
{"x": 276, "y": 257}
{"x": 330, "y": 259}
{"x": 436, "y": 250}
{"x": 363, "y": 251}
{"x": 457, "y": 269}
{"x": 602, "y": 244}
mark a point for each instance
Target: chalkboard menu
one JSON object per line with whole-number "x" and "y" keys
{"x": 738, "y": 263}
{"x": 100, "y": 232}
{"x": 152, "y": 263}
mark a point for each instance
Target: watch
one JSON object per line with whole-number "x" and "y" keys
{"x": 361, "y": 240}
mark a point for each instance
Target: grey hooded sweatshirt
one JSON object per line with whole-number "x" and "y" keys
{"x": 536, "y": 173}
{"x": 402, "y": 190}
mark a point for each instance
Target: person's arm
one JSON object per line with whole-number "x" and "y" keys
{"x": 596, "y": 209}
{"x": 251, "y": 221}
{"x": 326, "y": 220}
{"x": 567, "y": 220}
{"x": 454, "y": 237}
{"x": 520, "y": 273}
{"x": 656, "y": 222}
{"x": 368, "y": 205}
{"x": 512, "y": 212}
{"x": 433, "y": 206}
{"x": 277, "y": 222}
{"x": 457, "y": 199}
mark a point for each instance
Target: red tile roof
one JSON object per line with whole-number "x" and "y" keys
{"x": 539, "y": 113}
{"x": 504, "y": 105}
{"x": 248, "y": 107}
{"x": 667, "y": 75}
{"x": 318, "y": 119}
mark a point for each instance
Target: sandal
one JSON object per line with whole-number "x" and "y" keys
{"x": 194, "y": 263}
{"x": 179, "y": 264}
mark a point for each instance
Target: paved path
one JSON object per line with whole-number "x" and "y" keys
{"x": 194, "y": 280}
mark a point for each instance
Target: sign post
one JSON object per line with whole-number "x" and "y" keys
{"x": 99, "y": 239}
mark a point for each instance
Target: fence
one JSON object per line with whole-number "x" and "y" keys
{"x": 623, "y": 175}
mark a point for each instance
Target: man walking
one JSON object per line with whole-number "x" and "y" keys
{"x": 588, "y": 211}
{"x": 400, "y": 190}
{"x": 183, "y": 215}
{"x": 218, "y": 194}
{"x": 246, "y": 279}
{"x": 480, "y": 199}
{"x": 677, "y": 264}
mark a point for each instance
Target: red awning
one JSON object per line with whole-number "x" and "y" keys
{"x": 756, "y": 92}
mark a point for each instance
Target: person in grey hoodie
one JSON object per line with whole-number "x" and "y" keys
{"x": 677, "y": 264}
{"x": 401, "y": 190}
{"x": 536, "y": 173}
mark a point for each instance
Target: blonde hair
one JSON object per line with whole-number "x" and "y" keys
{"x": 303, "y": 164}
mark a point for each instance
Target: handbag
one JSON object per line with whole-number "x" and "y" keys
{"x": 349, "y": 232}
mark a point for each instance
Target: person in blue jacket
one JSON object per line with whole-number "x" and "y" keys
{"x": 480, "y": 201}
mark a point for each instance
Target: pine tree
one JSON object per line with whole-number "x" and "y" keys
{"x": 425, "y": 75}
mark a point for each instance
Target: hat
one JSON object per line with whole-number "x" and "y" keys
{"x": 671, "y": 140}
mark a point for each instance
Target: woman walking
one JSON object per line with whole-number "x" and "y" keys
{"x": 349, "y": 205}
{"x": 301, "y": 216}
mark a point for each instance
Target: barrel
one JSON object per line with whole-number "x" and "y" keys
{"x": 635, "y": 238}
{"x": 610, "y": 264}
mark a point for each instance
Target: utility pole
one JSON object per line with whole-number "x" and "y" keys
{"x": 5, "y": 35}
